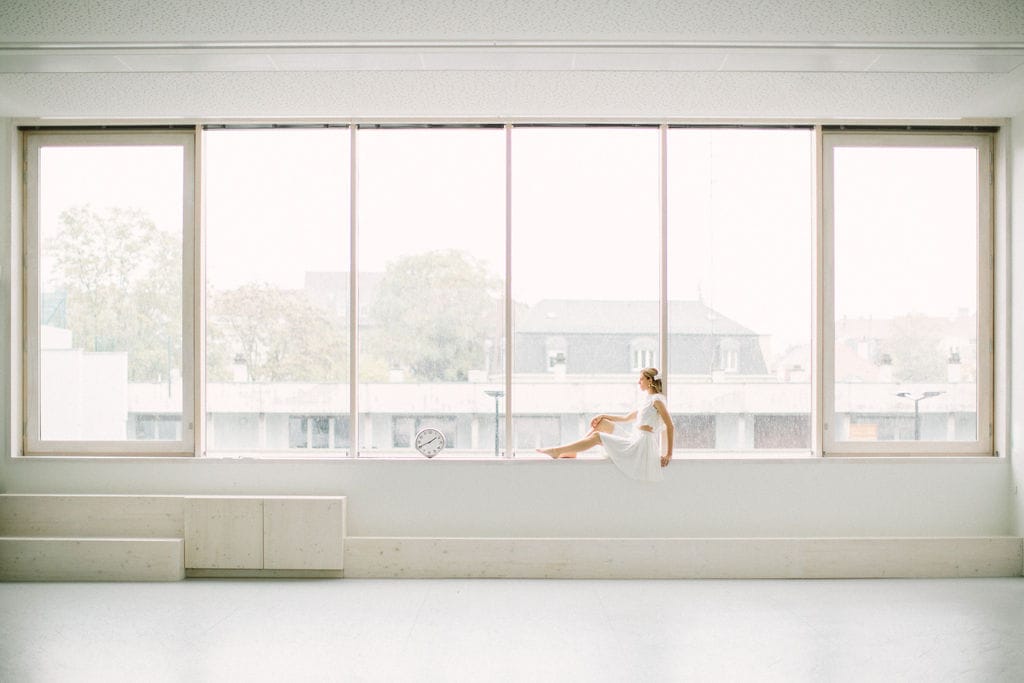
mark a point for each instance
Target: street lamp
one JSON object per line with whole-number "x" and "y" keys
{"x": 497, "y": 394}
{"x": 917, "y": 414}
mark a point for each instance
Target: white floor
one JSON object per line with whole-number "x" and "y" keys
{"x": 504, "y": 630}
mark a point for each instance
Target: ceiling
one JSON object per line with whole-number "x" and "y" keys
{"x": 918, "y": 59}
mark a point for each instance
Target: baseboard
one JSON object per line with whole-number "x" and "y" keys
{"x": 684, "y": 558}
{"x": 264, "y": 573}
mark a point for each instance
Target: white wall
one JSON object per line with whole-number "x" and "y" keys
{"x": 585, "y": 498}
{"x": 1016, "y": 200}
{"x": 550, "y": 20}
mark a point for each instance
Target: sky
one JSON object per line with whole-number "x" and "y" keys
{"x": 905, "y": 231}
{"x": 585, "y": 213}
{"x": 147, "y": 177}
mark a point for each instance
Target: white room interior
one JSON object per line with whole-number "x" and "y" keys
{"x": 915, "y": 63}
{"x": 923, "y": 62}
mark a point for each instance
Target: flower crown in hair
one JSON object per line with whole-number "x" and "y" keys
{"x": 657, "y": 376}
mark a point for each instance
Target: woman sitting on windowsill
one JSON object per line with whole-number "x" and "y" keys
{"x": 634, "y": 448}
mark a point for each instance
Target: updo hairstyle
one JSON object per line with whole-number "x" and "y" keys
{"x": 657, "y": 383}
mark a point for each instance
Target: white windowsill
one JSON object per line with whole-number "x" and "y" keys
{"x": 738, "y": 457}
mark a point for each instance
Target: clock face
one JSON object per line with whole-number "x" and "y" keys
{"x": 429, "y": 441}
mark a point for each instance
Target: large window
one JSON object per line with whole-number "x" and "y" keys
{"x": 585, "y": 273}
{"x": 804, "y": 290}
{"x": 109, "y": 270}
{"x": 431, "y": 217}
{"x": 740, "y": 286}
{"x": 908, "y": 294}
{"x": 277, "y": 288}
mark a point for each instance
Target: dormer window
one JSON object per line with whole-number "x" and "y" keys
{"x": 642, "y": 352}
{"x": 729, "y": 355}
{"x": 556, "y": 349}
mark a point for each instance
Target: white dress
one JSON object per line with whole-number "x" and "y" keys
{"x": 635, "y": 451}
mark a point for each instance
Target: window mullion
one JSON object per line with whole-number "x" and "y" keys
{"x": 819, "y": 321}
{"x": 198, "y": 299}
{"x": 663, "y": 246}
{"x": 509, "y": 444}
{"x": 353, "y": 303}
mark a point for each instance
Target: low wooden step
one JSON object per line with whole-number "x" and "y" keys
{"x": 36, "y": 515}
{"x": 91, "y": 559}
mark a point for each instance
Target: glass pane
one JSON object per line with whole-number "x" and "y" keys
{"x": 740, "y": 284}
{"x": 110, "y": 319}
{"x": 585, "y": 207}
{"x": 277, "y": 297}
{"x": 431, "y": 287}
{"x": 906, "y": 293}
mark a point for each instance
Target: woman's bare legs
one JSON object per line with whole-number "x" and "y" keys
{"x": 589, "y": 441}
{"x": 583, "y": 444}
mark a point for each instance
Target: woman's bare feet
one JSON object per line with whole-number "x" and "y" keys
{"x": 550, "y": 452}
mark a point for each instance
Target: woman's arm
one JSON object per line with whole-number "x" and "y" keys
{"x": 613, "y": 418}
{"x": 669, "y": 431}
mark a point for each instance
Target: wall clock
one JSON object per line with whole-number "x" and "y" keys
{"x": 429, "y": 441}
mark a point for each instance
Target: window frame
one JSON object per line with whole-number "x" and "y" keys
{"x": 26, "y": 292}
{"x": 32, "y": 143}
{"x": 361, "y": 386}
{"x": 983, "y": 143}
{"x": 204, "y": 415}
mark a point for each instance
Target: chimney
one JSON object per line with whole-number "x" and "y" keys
{"x": 954, "y": 372}
{"x": 885, "y": 368}
{"x": 239, "y": 369}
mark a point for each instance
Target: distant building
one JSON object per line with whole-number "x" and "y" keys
{"x": 877, "y": 350}
{"x": 571, "y": 359}
{"x": 584, "y": 337}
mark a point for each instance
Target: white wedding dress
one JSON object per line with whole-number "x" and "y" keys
{"x": 635, "y": 451}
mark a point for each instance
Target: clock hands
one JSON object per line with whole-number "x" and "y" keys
{"x": 430, "y": 441}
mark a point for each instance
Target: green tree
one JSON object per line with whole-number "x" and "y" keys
{"x": 280, "y": 336}
{"x": 431, "y": 316}
{"x": 121, "y": 276}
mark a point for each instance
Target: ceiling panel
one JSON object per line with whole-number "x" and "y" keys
{"x": 910, "y": 21}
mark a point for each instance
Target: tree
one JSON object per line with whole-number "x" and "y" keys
{"x": 915, "y": 347}
{"x": 279, "y": 335}
{"x": 121, "y": 277}
{"x": 432, "y": 314}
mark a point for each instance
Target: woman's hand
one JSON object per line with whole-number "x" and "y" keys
{"x": 597, "y": 420}
{"x": 665, "y": 459}
{"x": 646, "y": 428}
